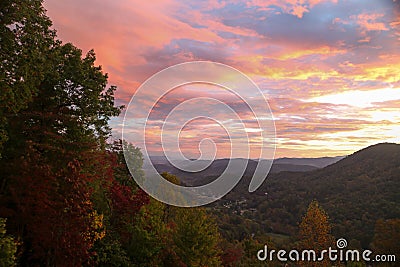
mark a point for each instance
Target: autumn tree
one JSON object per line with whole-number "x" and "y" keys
{"x": 315, "y": 233}
{"x": 118, "y": 197}
{"x": 232, "y": 253}
{"x": 51, "y": 212}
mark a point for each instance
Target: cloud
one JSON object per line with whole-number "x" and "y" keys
{"x": 370, "y": 22}
{"x": 294, "y": 7}
{"x": 360, "y": 98}
{"x": 330, "y": 69}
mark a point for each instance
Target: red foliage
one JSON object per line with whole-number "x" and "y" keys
{"x": 125, "y": 200}
{"x": 125, "y": 205}
{"x": 231, "y": 255}
{"x": 49, "y": 205}
{"x": 51, "y": 212}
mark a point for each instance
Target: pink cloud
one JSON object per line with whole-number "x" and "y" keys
{"x": 369, "y": 22}
{"x": 312, "y": 52}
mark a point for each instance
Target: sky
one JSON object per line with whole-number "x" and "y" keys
{"x": 329, "y": 69}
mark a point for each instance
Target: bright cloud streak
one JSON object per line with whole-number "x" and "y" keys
{"x": 360, "y": 99}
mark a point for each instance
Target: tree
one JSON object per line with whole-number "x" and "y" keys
{"x": 151, "y": 236}
{"x": 196, "y": 238}
{"x": 26, "y": 38}
{"x": 163, "y": 235}
{"x": 132, "y": 157}
{"x": 51, "y": 212}
{"x": 8, "y": 246}
{"x": 118, "y": 197}
{"x": 125, "y": 204}
{"x": 49, "y": 149}
{"x": 315, "y": 232}
{"x": 151, "y": 241}
{"x": 232, "y": 253}
{"x": 109, "y": 252}
{"x": 55, "y": 107}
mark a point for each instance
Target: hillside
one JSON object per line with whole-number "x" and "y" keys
{"x": 355, "y": 192}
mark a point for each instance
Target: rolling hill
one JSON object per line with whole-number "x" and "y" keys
{"x": 355, "y": 192}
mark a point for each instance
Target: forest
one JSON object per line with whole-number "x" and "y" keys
{"x": 67, "y": 197}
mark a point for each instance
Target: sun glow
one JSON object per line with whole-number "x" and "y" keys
{"x": 358, "y": 98}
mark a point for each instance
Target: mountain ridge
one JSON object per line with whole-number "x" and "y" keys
{"x": 217, "y": 166}
{"x": 356, "y": 191}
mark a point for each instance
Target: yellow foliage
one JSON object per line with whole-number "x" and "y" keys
{"x": 97, "y": 229}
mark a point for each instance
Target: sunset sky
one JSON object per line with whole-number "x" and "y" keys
{"x": 329, "y": 69}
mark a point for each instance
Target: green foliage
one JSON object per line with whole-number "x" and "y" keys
{"x": 67, "y": 195}
{"x": 120, "y": 200}
{"x": 109, "y": 252}
{"x": 8, "y": 247}
{"x": 196, "y": 238}
{"x": 134, "y": 159}
{"x": 250, "y": 248}
{"x": 26, "y": 37}
{"x": 164, "y": 235}
{"x": 151, "y": 235}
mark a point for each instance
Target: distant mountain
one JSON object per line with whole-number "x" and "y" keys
{"x": 316, "y": 162}
{"x": 355, "y": 192}
{"x": 217, "y": 167}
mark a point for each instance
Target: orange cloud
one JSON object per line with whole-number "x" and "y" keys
{"x": 314, "y": 51}
{"x": 323, "y": 50}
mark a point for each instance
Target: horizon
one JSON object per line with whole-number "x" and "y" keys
{"x": 193, "y": 159}
{"x": 329, "y": 69}
{"x": 284, "y": 157}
